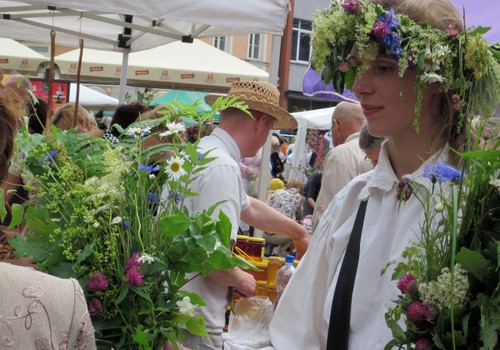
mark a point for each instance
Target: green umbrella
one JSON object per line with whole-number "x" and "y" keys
{"x": 188, "y": 97}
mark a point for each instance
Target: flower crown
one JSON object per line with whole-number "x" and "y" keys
{"x": 465, "y": 65}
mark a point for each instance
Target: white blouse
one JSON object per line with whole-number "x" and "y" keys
{"x": 302, "y": 317}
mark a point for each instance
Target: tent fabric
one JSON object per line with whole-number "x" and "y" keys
{"x": 92, "y": 99}
{"x": 154, "y": 22}
{"x": 196, "y": 63}
{"x": 15, "y": 56}
{"x": 317, "y": 119}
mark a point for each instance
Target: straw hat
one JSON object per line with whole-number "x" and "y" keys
{"x": 262, "y": 97}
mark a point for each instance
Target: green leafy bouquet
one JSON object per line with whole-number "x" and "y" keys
{"x": 450, "y": 279}
{"x": 97, "y": 215}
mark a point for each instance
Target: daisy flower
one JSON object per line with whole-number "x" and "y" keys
{"x": 173, "y": 128}
{"x": 174, "y": 168}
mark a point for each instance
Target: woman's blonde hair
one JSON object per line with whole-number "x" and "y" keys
{"x": 64, "y": 117}
{"x": 296, "y": 183}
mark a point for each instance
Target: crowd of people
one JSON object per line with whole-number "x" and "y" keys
{"x": 377, "y": 146}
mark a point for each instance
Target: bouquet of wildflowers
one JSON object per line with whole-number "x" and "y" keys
{"x": 96, "y": 215}
{"x": 450, "y": 280}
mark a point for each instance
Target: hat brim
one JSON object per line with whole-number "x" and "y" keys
{"x": 284, "y": 120}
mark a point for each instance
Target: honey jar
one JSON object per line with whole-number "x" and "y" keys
{"x": 251, "y": 246}
{"x": 261, "y": 289}
{"x": 274, "y": 264}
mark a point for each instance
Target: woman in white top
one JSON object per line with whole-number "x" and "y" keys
{"x": 422, "y": 113}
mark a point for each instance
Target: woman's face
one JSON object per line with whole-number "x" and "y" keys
{"x": 388, "y": 101}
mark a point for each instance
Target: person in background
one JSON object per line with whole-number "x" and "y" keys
{"x": 238, "y": 135}
{"x": 311, "y": 191}
{"x": 276, "y": 163}
{"x": 341, "y": 164}
{"x": 13, "y": 185}
{"x": 20, "y": 85}
{"x": 125, "y": 115}
{"x": 37, "y": 112}
{"x": 250, "y": 175}
{"x": 371, "y": 147}
{"x": 37, "y": 310}
{"x": 287, "y": 201}
{"x": 64, "y": 118}
{"x": 274, "y": 185}
{"x": 389, "y": 89}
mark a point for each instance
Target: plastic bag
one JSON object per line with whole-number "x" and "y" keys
{"x": 249, "y": 326}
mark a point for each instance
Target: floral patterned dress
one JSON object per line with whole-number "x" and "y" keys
{"x": 288, "y": 202}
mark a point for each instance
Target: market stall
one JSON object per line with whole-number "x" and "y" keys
{"x": 317, "y": 119}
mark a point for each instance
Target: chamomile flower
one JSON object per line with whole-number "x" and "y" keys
{"x": 173, "y": 128}
{"x": 174, "y": 168}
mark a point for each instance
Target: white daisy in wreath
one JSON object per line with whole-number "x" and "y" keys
{"x": 174, "y": 168}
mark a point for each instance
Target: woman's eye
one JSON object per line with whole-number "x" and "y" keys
{"x": 383, "y": 67}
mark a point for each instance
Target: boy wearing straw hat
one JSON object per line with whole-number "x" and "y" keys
{"x": 237, "y": 136}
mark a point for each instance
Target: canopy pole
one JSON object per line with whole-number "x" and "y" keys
{"x": 123, "y": 76}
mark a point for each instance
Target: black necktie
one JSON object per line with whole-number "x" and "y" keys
{"x": 340, "y": 317}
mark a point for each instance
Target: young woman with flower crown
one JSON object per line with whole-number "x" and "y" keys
{"x": 417, "y": 84}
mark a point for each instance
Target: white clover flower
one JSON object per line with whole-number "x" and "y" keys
{"x": 174, "y": 168}
{"x": 430, "y": 78}
{"x": 185, "y": 307}
{"x": 495, "y": 180}
{"x": 116, "y": 220}
{"x": 146, "y": 258}
{"x": 173, "y": 128}
{"x": 96, "y": 225}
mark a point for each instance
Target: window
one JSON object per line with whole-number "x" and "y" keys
{"x": 301, "y": 40}
{"x": 254, "y": 46}
{"x": 220, "y": 42}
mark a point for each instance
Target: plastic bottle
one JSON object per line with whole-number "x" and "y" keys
{"x": 283, "y": 276}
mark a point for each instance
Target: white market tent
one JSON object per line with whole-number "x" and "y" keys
{"x": 316, "y": 119}
{"x": 128, "y": 26}
{"x": 92, "y": 99}
{"x": 16, "y": 57}
{"x": 176, "y": 64}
